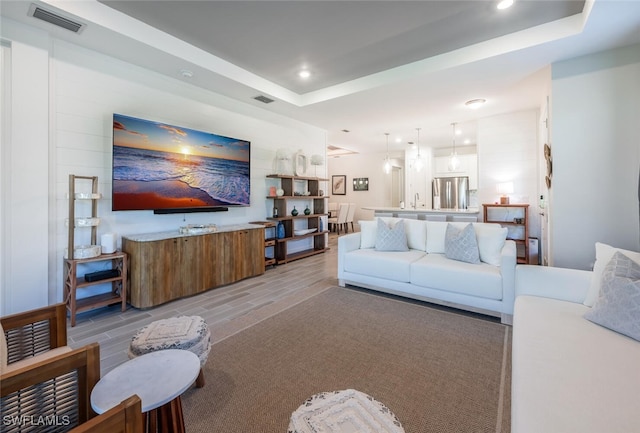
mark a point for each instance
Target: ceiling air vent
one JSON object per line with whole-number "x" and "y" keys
{"x": 264, "y": 99}
{"x": 55, "y": 19}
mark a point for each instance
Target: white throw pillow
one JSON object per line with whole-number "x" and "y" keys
{"x": 604, "y": 253}
{"x": 416, "y": 234}
{"x": 368, "y": 230}
{"x": 435, "y": 235}
{"x": 491, "y": 240}
{"x": 391, "y": 238}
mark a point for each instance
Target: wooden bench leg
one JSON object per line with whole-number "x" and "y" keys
{"x": 200, "y": 379}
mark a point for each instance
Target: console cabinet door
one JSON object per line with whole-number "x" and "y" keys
{"x": 189, "y": 265}
{"x": 154, "y": 278}
{"x": 242, "y": 255}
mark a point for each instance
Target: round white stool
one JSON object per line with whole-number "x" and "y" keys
{"x": 184, "y": 332}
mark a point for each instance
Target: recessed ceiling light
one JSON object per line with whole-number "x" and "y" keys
{"x": 345, "y": 130}
{"x": 399, "y": 140}
{"x": 504, "y": 4}
{"x": 467, "y": 141}
{"x": 304, "y": 74}
{"x": 475, "y": 103}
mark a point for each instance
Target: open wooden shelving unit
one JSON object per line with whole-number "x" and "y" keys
{"x": 505, "y": 215}
{"x": 312, "y": 221}
{"x": 71, "y": 280}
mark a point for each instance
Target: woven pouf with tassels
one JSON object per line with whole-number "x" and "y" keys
{"x": 183, "y": 332}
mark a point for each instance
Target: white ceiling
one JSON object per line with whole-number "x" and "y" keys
{"x": 377, "y": 66}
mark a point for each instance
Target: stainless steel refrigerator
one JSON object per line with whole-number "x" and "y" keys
{"x": 450, "y": 192}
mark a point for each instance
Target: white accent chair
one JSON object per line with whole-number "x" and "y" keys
{"x": 350, "y": 215}
{"x": 341, "y": 219}
{"x": 333, "y": 209}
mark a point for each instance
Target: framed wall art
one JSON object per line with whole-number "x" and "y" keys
{"x": 339, "y": 184}
{"x": 361, "y": 184}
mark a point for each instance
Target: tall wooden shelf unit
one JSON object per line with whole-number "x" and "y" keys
{"x": 301, "y": 221}
{"x": 515, "y": 218}
{"x": 71, "y": 281}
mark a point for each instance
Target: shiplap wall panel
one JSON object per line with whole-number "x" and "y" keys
{"x": 85, "y": 89}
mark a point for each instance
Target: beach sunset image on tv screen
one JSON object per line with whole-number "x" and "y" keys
{"x": 160, "y": 166}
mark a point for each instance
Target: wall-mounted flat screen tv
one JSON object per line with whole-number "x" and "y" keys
{"x": 165, "y": 168}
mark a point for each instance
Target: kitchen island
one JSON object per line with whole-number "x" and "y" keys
{"x": 457, "y": 215}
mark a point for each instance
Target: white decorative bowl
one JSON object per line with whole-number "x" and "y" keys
{"x": 194, "y": 229}
{"x": 304, "y": 232}
{"x": 85, "y": 221}
{"x": 84, "y": 251}
{"x": 87, "y": 195}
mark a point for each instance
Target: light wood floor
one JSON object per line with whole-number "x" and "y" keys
{"x": 278, "y": 288}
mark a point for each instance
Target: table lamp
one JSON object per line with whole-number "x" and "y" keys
{"x": 505, "y": 188}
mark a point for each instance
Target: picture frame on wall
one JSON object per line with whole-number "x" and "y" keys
{"x": 361, "y": 184}
{"x": 339, "y": 184}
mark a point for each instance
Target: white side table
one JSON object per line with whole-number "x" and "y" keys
{"x": 347, "y": 411}
{"x": 158, "y": 378}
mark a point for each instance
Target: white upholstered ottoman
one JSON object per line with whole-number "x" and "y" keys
{"x": 184, "y": 332}
{"x": 347, "y": 411}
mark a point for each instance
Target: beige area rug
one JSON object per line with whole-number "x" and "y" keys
{"x": 438, "y": 371}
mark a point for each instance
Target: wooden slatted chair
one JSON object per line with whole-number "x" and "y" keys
{"x": 53, "y": 392}
{"x": 43, "y": 380}
{"x": 124, "y": 418}
{"x": 38, "y": 333}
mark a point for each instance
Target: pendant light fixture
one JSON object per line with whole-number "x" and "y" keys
{"x": 419, "y": 161}
{"x": 387, "y": 161}
{"x": 454, "y": 161}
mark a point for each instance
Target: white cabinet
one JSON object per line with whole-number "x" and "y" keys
{"x": 468, "y": 167}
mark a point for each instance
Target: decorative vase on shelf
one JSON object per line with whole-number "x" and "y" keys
{"x": 294, "y": 212}
{"x": 307, "y": 211}
{"x": 280, "y": 230}
{"x": 320, "y": 225}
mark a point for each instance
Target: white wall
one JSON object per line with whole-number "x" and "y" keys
{"x": 25, "y": 194}
{"x": 371, "y": 166}
{"x": 507, "y": 152}
{"x": 63, "y": 126}
{"x": 418, "y": 182}
{"x": 596, "y": 155}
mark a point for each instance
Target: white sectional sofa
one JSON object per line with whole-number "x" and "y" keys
{"x": 569, "y": 374}
{"x": 425, "y": 273}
